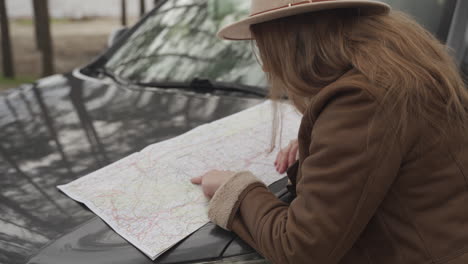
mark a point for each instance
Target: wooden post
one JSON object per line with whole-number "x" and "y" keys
{"x": 37, "y": 27}
{"x": 43, "y": 35}
{"x": 124, "y": 12}
{"x": 7, "y": 52}
{"x": 142, "y": 8}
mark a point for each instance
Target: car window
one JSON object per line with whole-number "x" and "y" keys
{"x": 464, "y": 65}
{"x": 178, "y": 43}
{"x": 434, "y": 15}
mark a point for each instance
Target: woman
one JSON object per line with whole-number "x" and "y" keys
{"x": 383, "y": 156}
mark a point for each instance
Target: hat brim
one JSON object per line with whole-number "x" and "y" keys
{"x": 241, "y": 30}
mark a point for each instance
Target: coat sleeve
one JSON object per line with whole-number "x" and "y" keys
{"x": 350, "y": 167}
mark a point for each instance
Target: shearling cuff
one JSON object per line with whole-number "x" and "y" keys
{"x": 225, "y": 201}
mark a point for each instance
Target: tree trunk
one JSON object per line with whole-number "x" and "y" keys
{"x": 43, "y": 35}
{"x": 156, "y": 2}
{"x": 7, "y": 52}
{"x": 124, "y": 13}
{"x": 142, "y": 8}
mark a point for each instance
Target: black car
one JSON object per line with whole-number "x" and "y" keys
{"x": 161, "y": 78}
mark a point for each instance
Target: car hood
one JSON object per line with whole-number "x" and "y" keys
{"x": 62, "y": 128}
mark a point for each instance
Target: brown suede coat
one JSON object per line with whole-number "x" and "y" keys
{"x": 363, "y": 195}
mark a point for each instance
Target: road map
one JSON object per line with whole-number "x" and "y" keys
{"x": 148, "y": 198}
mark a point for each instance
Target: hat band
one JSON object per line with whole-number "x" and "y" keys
{"x": 289, "y": 5}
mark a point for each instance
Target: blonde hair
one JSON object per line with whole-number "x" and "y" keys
{"x": 304, "y": 53}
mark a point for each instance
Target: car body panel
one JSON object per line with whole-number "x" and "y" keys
{"x": 95, "y": 242}
{"x": 61, "y": 128}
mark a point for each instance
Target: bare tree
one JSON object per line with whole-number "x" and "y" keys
{"x": 43, "y": 35}
{"x": 124, "y": 12}
{"x": 7, "y": 52}
{"x": 156, "y": 2}
{"x": 142, "y": 8}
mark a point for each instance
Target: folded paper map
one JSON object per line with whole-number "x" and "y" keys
{"x": 148, "y": 198}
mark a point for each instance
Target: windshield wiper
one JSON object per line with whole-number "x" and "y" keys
{"x": 196, "y": 85}
{"x": 207, "y": 86}
{"x": 107, "y": 73}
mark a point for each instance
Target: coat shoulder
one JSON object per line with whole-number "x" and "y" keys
{"x": 352, "y": 84}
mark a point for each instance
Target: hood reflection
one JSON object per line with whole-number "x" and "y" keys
{"x": 55, "y": 131}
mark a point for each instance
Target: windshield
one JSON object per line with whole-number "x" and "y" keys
{"x": 177, "y": 42}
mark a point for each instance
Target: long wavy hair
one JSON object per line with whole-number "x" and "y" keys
{"x": 304, "y": 53}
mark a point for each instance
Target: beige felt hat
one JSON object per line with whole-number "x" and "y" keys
{"x": 265, "y": 10}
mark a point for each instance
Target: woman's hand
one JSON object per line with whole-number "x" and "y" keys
{"x": 287, "y": 156}
{"x": 212, "y": 180}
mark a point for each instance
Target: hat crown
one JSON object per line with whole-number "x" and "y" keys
{"x": 260, "y": 6}
{"x": 267, "y": 10}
